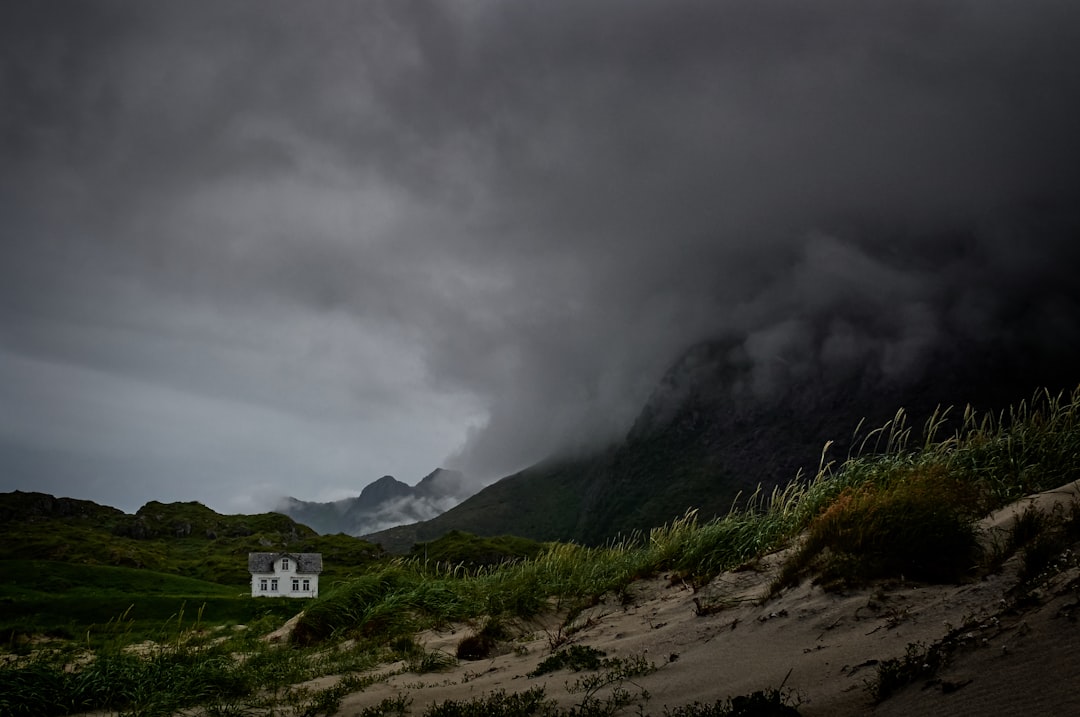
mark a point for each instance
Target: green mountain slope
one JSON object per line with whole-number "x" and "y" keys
{"x": 707, "y": 437}
{"x": 180, "y": 539}
{"x": 541, "y": 503}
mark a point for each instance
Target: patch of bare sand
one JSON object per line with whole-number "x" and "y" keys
{"x": 282, "y": 633}
{"x": 1013, "y": 658}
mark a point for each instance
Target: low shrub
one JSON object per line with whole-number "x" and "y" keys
{"x": 575, "y": 657}
{"x": 920, "y": 662}
{"x": 530, "y": 703}
{"x": 430, "y": 661}
{"x": 391, "y": 706}
{"x": 475, "y": 647}
{"x": 483, "y": 643}
{"x": 366, "y": 605}
{"x": 919, "y": 525}
{"x": 763, "y": 703}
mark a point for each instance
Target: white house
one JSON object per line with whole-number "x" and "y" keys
{"x": 285, "y": 574}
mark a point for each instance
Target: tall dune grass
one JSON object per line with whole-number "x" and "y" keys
{"x": 929, "y": 490}
{"x": 934, "y": 487}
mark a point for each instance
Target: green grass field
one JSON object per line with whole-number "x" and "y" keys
{"x": 43, "y": 578}
{"x": 86, "y": 601}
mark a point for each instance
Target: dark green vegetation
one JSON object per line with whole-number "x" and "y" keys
{"x": 1041, "y": 539}
{"x": 472, "y": 551}
{"x": 79, "y": 601}
{"x": 919, "y": 662}
{"x": 575, "y": 657}
{"x": 514, "y": 704}
{"x": 186, "y": 539}
{"x": 937, "y": 486}
{"x": 541, "y": 503}
{"x": 485, "y": 642}
{"x": 186, "y": 665}
{"x": 604, "y": 692}
{"x": 534, "y": 703}
{"x": 763, "y": 703}
{"x": 918, "y": 525}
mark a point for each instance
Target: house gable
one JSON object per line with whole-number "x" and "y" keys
{"x": 305, "y": 563}
{"x": 285, "y": 574}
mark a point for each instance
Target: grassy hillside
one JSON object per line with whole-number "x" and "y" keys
{"x": 73, "y": 568}
{"x": 473, "y": 552}
{"x": 706, "y": 439}
{"x": 44, "y": 578}
{"x": 181, "y": 539}
{"x": 541, "y": 503}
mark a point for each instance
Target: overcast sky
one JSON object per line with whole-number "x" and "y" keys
{"x": 252, "y": 249}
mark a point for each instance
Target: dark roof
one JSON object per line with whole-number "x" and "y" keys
{"x": 305, "y": 562}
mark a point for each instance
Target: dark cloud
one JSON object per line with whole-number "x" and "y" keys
{"x": 254, "y": 248}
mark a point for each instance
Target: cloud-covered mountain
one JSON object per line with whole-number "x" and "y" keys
{"x": 383, "y": 504}
{"x": 714, "y": 431}
{"x": 245, "y": 241}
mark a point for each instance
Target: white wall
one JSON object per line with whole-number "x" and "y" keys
{"x": 284, "y": 574}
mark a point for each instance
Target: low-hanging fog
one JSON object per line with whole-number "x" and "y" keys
{"x": 262, "y": 248}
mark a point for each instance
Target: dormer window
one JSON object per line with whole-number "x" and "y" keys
{"x": 284, "y": 563}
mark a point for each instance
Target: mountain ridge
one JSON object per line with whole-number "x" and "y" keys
{"x": 383, "y": 503}
{"x": 713, "y": 432}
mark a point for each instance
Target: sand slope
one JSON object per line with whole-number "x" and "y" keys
{"x": 1013, "y": 654}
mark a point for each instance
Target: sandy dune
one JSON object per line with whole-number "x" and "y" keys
{"x": 1012, "y": 655}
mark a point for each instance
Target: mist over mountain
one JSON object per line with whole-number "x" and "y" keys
{"x": 849, "y": 332}
{"x": 382, "y": 504}
{"x": 246, "y": 242}
{"x": 714, "y": 431}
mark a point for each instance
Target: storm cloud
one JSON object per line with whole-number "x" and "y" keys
{"x": 262, "y": 248}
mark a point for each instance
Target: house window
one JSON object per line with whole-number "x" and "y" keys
{"x": 262, "y": 585}
{"x": 295, "y": 585}
{"x": 307, "y": 585}
{"x": 284, "y": 563}
{"x": 273, "y": 585}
